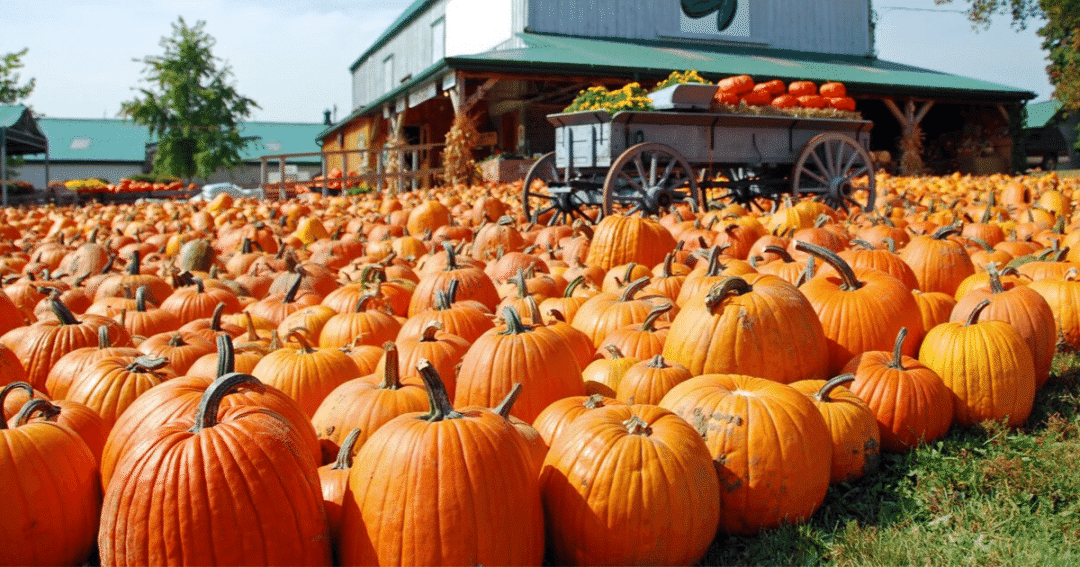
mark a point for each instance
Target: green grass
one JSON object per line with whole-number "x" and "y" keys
{"x": 983, "y": 496}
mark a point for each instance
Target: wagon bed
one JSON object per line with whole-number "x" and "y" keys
{"x": 644, "y": 161}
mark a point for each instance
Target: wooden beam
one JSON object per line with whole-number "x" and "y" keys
{"x": 891, "y": 105}
{"x": 1004, "y": 112}
{"x": 922, "y": 111}
{"x": 480, "y": 93}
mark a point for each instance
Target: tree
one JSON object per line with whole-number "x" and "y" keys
{"x": 1060, "y": 33}
{"x": 190, "y": 106}
{"x": 10, "y": 90}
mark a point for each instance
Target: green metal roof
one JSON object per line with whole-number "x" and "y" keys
{"x": 115, "y": 140}
{"x": 10, "y": 114}
{"x": 1040, "y": 113}
{"x": 410, "y": 13}
{"x": 654, "y": 60}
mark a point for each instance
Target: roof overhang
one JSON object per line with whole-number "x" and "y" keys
{"x": 21, "y": 132}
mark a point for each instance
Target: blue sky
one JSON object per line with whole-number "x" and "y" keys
{"x": 293, "y": 57}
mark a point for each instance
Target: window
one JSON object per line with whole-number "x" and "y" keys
{"x": 388, "y": 74}
{"x": 438, "y": 39}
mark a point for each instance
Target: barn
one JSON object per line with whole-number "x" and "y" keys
{"x": 511, "y": 63}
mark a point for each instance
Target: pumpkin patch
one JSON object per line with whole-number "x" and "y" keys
{"x": 452, "y": 366}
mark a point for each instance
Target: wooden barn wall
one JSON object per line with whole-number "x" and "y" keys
{"x": 411, "y": 49}
{"x": 835, "y": 26}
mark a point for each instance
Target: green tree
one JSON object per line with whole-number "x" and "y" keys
{"x": 1060, "y": 34}
{"x": 10, "y": 90}
{"x": 190, "y": 106}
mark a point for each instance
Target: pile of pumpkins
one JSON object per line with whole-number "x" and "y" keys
{"x": 429, "y": 378}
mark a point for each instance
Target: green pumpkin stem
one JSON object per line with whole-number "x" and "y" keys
{"x": 215, "y": 318}
{"x": 504, "y": 407}
{"x": 47, "y": 409}
{"x": 10, "y": 388}
{"x": 573, "y": 285}
{"x": 633, "y": 287}
{"x": 615, "y": 352}
{"x": 63, "y": 314}
{"x": 519, "y": 281}
{"x": 724, "y": 288}
{"x": 637, "y": 426}
{"x": 897, "y": 361}
{"x": 226, "y": 361}
{"x": 391, "y": 371}
{"x": 847, "y": 275}
{"x": 362, "y": 303}
{"x": 995, "y": 278}
{"x": 290, "y": 295}
{"x": 437, "y": 396}
{"x": 779, "y": 251}
{"x": 658, "y": 362}
{"x": 298, "y": 335}
{"x": 649, "y": 324}
{"x": 451, "y": 256}
{"x": 595, "y": 401}
{"x": 206, "y": 415}
{"x": 133, "y": 264}
{"x": 862, "y": 244}
{"x": 144, "y": 364}
{"x": 946, "y": 231}
{"x": 140, "y": 299}
{"x": 103, "y": 339}
{"x": 514, "y": 325}
{"x": 822, "y": 395}
{"x": 345, "y": 453}
{"x": 974, "y": 316}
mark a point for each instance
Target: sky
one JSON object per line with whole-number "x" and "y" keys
{"x": 293, "y": 56}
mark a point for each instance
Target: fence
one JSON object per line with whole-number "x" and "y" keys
{"x": 415, "y": 170}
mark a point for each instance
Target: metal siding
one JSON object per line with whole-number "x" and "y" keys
{"x": 836, "y": 26}
{"x": 411, "y": 49}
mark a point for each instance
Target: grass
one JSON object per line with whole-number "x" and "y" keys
{"x": 984, "y": 496}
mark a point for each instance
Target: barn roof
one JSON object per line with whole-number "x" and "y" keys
{"x": 22, "y": 134}
{"x": 654, "y": 60}
{"x": 116, "y": 140}
{"x": 1040, "y": 113}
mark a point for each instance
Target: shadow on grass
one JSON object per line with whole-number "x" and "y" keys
{"x": 984, "y": 491}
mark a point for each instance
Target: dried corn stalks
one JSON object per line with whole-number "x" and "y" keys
{"x": 911, "y": 147}
{"x": 459, "y": 167}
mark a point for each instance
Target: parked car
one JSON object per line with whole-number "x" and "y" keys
{"x": 211, "y": 190}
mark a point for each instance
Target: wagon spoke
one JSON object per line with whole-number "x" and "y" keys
{"x": 858, "y": 172}
{"x": 633, "y": 182}
{"x": 667, "y": 173}
{"x": 634, "y": 209}
{"x": 640, "y": 167}
{"x": 817, "y": 178}
{"x": 829, "y": 160}
{"x": 652, "y": 168}
{"x": 850, "y": 162}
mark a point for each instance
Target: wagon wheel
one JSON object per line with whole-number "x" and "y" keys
{"x": 836, "y": 169}
{"x": 649, "y": 178}
{"x": 543, "y": 206}
{"x": 745, "y": 187}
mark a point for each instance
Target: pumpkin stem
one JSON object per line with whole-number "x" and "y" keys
{"x": 974, "y": 316}
{"x": 252, "y": 334}
{"x": 637, "y": 426}
{"x": 362, "y": 303}
{"x": 535, "y": 316}
{"x": 995, "y": 278}
{"x": 215, "y": 318}
{"x": 862, "y": 244}
{"x": 140, "y": 299}
{"x": 504, "y": 407}
{"x": 890, "y": 244}
{"x": 649, "y": 324}
{"x": 946, "y": 231}
{"x": 177, "y": 340}
{"x": 898, "y": 358}
{"x": 822, "y": 395}
{"x": 714, "y": 267}
{"x": 391, "y": 370}
{"x": 103, "y": 339}
{"x": 633, "y": 287}
{"x": 428, "y": 334}
{"x": 982, "y": 243}
{"x": 133, "y": 263}
{"x": 514, "y": 325}
{"x": 850, "y": 281}
{"x": 145, "y": 364}
{"x": 724, "y": 288}
{"x": 629, "y": 271}
{"x": 63, "y": 314}
{"x": 615, "y": 352}
{"x": 573, "y": 285}
{"x": 779, "y": 251}
{"x": 206, "y": 415}
{"x": 290, "y": 295}
{"x": 594, "y": 401}
{"x": 451, "y": 256}
{"x": 48, "y": 409}
{"x": 437, "y": 396}
{"x": 10, "y": 388}
{"x": 658, "y": 362}
{"x": 296, "y": 333}
{"x": 669, "y": 260}
{"x": 345, "y": 453}
{"x": 226, "y": 362}
{"x": 519, "y": 280}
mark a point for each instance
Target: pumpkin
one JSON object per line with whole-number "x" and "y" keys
{"x": 305, "y": 374}
{"x": 513, "y": 352}
{"x": 146, "y": 321}
{"x": 181, "y": 349}
{"x": 367, "y": 402}
{"x": 641, "y": 341}
{"x": 334, "y": 479}
{"x": 647, "y": 381}
{"x": 987, "y": 366}
{"x": 602, "y": 375}
{"x": 859, "y": 311}
{"x": 909, "y": 400}
{"x": 397, "y": 504}
{"x": 939, "y": 264}
{"x": 464, "y": 319}
{"x": 854, "y": 429}
{"x": 473, "y": 283}
{"x": 42, "y": 344}
{"x": 52, "y": 499}
{"x": 14, "y": 396}
{"x": 112, "y": 384}
{"x": 605, "y": 312}
{"x": 769, "y": 444}
{"x": 561, "y": 413}
{"x": 210, "y": 525}
{"x": 375, "y": 326}
{"x": 78, "y": 417}
{"x": 623, "y": 239}
{"x": 631, "y": 465}
{"x": 1020, "y": 307}
{"x": 199, "y": 302}
{"x": 1063, "y": 297}
{"x": 742, "y": 325}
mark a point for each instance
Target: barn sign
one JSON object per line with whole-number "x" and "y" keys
{"x": 725, "y": 18}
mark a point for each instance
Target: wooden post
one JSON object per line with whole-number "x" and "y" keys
{"x": 911, "y": 142}
{"x": 281, "y": 179}
{"x": 3, "y": 164}
{"x": 262, "y": 174}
